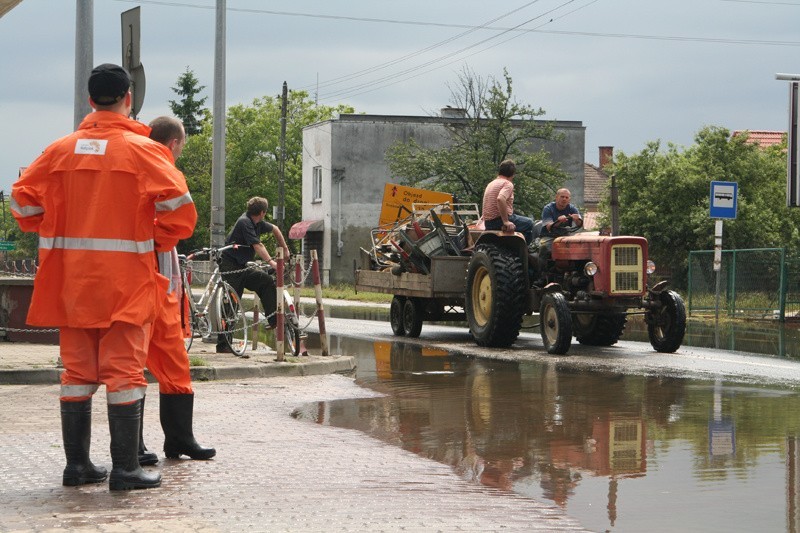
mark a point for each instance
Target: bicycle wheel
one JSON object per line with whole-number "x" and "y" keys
{"x": 187, "y": 341}
{"x": 291, "y": 336}
{"x": 232, "y": 321}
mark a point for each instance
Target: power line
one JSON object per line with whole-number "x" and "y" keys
{"x": 346, "y": 92}
{"x": 757, "y": 42}
{"x": 358, "y": 74}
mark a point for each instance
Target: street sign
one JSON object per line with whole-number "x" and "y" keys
{"x": 398, "y": 201}
{"x": 131, "y": 40}
{"x": 7, "y": 245}
{"x": 724, "y": 199}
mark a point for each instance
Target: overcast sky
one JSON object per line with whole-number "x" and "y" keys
{"x": 631, "y": 71}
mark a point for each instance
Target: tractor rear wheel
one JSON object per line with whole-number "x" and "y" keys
{"x": 495, "y": 296}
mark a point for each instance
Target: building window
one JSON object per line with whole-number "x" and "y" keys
{"x": 316, "y": 185}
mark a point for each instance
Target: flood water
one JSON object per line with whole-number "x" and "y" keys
{"x": 617, "y": 452}
{"x": 767, "y": 337}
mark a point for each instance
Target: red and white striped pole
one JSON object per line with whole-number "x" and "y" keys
{"x": 279, "y": 308}
{"x": 323, "y": 337}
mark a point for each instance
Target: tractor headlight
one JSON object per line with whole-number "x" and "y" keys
{"x": 590, "y": 269}
{"x": 651, "y": 267}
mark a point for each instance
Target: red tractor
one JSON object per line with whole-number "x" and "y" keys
{"x": 586, "y": 288}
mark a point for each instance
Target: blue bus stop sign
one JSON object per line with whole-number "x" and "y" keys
{"x": 724, "y": 199}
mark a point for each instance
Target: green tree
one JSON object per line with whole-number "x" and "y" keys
{"x": 664, "y": 196}
{"x": 189, "y": 109}
{"x": 252, "y": 158}
{"x": 496, "y": 127}
{"x": 26, "y": 245}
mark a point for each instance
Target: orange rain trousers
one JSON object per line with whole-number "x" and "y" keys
{"x": 112, "y": 356}
{"x": 166, "y": 356}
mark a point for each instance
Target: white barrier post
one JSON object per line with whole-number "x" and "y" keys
{"x": 279, "y": 308}
{"x": 323, "y": 337}
{"x": 298, "y": 280}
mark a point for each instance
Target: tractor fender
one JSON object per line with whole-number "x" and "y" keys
{"x": 513, "y": 242}
{"x": 658, "y": 288}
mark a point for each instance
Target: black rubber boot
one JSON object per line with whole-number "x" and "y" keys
{"x": 76, "y": 430}
{"x": 126, "y": 474}
{"x": 146, "y": 457}
{"x": 176, "y": 420}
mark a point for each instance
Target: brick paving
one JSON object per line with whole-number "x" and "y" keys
{"x": 272, "y": 472}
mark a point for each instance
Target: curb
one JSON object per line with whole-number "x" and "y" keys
{"x": 335, "y": 365}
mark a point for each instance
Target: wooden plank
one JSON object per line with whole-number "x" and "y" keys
{"x": 449, "y": 275}
{"x": 446, "y": 280}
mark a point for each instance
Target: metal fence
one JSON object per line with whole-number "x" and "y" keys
{"x": 754, "y": 283}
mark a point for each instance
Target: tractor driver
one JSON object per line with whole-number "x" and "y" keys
{"x": 556, "y": 217}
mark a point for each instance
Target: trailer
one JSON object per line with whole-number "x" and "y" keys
{"x": 433, "y": 297}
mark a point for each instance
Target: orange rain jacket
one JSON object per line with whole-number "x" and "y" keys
{"x": 92, "y": 196}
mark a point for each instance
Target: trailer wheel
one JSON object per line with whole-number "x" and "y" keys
{"x": 396, "y": 316}
{"x": 495, "y": 296}
{"x": 556, "y": 323}
{"x": 598, "y": 330}
{"x": 667, "y": 325}
{"x": 413, "y": 311}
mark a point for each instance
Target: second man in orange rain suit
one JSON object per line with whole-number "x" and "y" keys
{"x": 92, "y": 196}
{"x": 166, "y": 358}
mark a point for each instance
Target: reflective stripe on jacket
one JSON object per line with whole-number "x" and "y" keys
{"x": 92, "y": 196}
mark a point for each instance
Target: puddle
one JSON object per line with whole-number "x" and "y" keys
{"x": 618, "y": 452}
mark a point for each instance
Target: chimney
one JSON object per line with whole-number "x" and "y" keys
{"x": 606, "y": 156}
{"x": 453, "y": 112}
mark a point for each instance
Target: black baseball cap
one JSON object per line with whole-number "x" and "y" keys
{"x": 108, "y": 83}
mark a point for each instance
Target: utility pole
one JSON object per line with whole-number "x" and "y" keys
{"x": 281, "y": 180}
{"x": 218, "y": 148}
{"x": 84, "y": 48}
{"x": 793, "y": 140}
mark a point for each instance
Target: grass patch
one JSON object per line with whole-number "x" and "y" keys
{"x": 197, "y": 361}
{"x": 345, "y": 291}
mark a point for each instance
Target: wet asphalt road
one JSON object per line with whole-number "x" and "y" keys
{"x": 627, "y": 357}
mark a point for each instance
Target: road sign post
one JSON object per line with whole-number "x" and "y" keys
{"x": 723, "y": 204}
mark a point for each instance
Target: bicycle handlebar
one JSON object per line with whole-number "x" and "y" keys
{"x": 214, "y": 252}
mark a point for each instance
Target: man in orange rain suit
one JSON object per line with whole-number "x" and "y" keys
{"x": 92, "y": 196}
{"x": 167, "y": 359}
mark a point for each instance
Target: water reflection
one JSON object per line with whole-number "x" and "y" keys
{"x": 619, "y": 452}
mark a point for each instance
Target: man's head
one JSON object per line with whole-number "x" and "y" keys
{"x": 562, "y": 198}
{"x": 256, "y": 206}
{"x": 169, "y": 132}
{"x": 507, "y": 168}
{"x": 109, "y": 88}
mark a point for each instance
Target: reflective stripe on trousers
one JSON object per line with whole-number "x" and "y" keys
{"x": 113, "y": 356}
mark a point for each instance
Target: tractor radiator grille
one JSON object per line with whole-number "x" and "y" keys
{"x": 626, "y": 269}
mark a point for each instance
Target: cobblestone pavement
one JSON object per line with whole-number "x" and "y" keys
{"x": 272, "y": 472}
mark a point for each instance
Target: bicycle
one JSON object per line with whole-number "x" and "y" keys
{"x": 228, "y": 317}
{"x": 291, "y": 320}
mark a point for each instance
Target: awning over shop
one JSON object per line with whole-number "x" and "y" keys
{"x": 299, "y": 230}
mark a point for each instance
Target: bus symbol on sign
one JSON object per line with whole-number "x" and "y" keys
{"x": 723, "y": 196}
{"x": 723, "y": 199}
